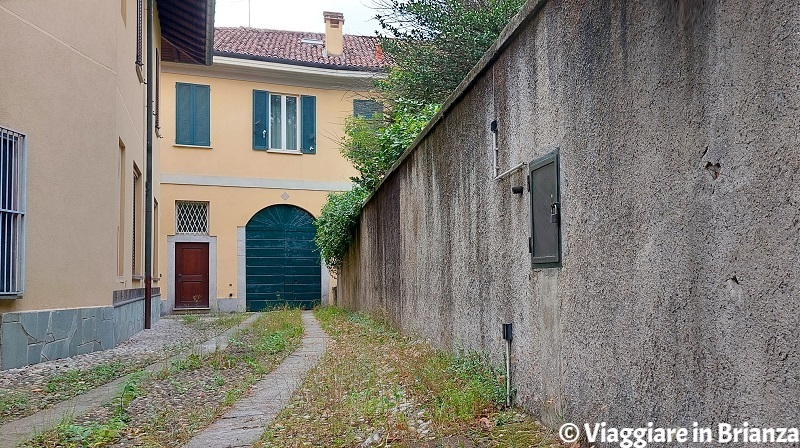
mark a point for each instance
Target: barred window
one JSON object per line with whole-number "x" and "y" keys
{"x": 12, "y": 211}
{"x": 191, "y": 217}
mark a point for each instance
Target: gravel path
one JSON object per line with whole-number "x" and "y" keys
{"x": 28, "y": 390}
{"x": 149, "y": 345}
{"x": 166, "y": 337}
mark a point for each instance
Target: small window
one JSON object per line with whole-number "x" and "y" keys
{"x": 136, "y": 237}
{"x": 122, "y": 171}
{"x": 139, "y": 37}
{"x": 284, "y": 122}
{"x": 191, "y": 217}
{"x": 12, "y": 211}
{"x": 156, "y": 235}
{"x": 283, "y": 129}
{"x": 157, "y": 106}
{"x": 545, "y": 243}
{"x": 192, "y": 114}
{"x": 366, "y": 108}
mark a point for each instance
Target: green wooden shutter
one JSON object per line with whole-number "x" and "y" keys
{"x": 202, "y": 115}
{"x": 366, "y": 108}
{"x": 184, "y": 124}
{"x": 308, "y": 124}
{"x": 260, "y": 119}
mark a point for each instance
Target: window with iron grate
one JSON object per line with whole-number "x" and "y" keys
{"x": 12, "y": 211}
{"x": 191, "y": 217}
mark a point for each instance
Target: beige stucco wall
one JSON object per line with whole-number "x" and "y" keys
{"x": 70, "y": 84}
{"x": 232, "y": 160}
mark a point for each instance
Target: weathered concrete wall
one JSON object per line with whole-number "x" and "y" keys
{"x": 677, "y": 125}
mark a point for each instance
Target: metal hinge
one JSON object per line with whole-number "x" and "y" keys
{"x": 530, "y": 245}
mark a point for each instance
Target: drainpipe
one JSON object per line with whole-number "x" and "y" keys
{"x": 148, "y": 183}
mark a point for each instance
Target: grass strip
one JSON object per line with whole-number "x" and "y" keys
{"x": 171, "y": 405}
{"x": 375, "y": 387}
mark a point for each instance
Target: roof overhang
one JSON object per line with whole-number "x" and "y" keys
{"x": 187, "y": 30}
{"x": 249, "y": 57}
{"x": 277, "y": 73}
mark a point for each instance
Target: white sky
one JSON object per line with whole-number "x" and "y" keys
{"x": 298, "y": 15}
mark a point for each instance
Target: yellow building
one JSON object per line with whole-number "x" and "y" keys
{"x": 72, "y": 163}
{"x": 249, "y": 155}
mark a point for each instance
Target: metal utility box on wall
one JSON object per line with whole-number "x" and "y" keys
{"x": 545, "y": 211}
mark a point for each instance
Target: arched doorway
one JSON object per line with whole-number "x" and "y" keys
{"x": 281, "y": 259}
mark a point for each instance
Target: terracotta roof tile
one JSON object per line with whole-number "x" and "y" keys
{"x": 359, "y": 53}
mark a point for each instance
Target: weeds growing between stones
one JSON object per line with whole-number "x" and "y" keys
{"x": 375, "y": 387}
{"x": 167, "y": 407}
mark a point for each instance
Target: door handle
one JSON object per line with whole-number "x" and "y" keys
{"x": 555, "y": 215}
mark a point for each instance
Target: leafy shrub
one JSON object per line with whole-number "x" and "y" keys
{"x": 373, "y": 145}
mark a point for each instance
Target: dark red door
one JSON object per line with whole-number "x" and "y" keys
{"x": 191, "y": 275}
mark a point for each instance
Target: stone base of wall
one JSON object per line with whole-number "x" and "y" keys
{"x": 31, "y": 337}
{"x": 228, "y": 305}
{"x": 129, "y": 318}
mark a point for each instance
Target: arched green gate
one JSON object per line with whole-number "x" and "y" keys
{"x": 282, "y": 260}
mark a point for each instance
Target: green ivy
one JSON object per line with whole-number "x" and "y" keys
{"x": 337, "y": 223}
{"x": 373, "y": 145}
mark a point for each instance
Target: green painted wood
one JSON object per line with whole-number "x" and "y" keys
{"x": 260, "y": 119}
{"x": 184, "y": 105}
{"x": 367, "y": 108}
{"x": 192, "y": 114}
{"x": 202, "y": 115}
{"x": 282, "y": 261}
{"x": 308, "y": 124}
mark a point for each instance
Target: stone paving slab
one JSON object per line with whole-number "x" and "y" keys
{"x": 244, "y": 423}
{"x": 18, "y": 431}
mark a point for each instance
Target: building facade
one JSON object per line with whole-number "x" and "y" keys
{"x": 72, "y": 163}
{"x": 249, "y": 155}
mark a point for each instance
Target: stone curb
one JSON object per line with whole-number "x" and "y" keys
{"x": 244, "y": 423}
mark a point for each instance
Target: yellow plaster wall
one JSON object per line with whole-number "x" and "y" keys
{"x": 232, "y": 151}
{"x": 231, "y": 156}
{"x": 70, "y": 84}
{"x": 229, "y": 208}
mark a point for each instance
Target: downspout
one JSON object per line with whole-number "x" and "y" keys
{"x": 148, "y": 183}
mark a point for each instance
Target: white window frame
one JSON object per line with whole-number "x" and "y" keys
{"x": 283, "y": 122}
{"x": 14, "y": 287}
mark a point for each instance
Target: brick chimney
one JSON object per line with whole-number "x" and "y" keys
{"x": 334, "y": 41}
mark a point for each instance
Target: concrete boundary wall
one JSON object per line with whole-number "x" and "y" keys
{"x": 677, "y": 298}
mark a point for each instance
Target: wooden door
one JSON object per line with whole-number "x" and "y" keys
{"x": 282, "y": 260}
{"x": 191, "y": 275}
